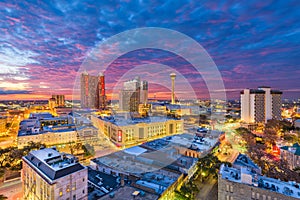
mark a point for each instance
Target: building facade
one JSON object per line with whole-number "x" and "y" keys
{"x": 144, "y": 93}
{"x": 59, "y": 100}
{"x": 235, "y": 184}
{"x": 49, "y": 138}
{"x": 48, "y": 130}
{"x": 260, "y": 105}
{"x": 133, "y": 93}
{"x": 92, "y": 91}
{"x": 291, "y": 154}
{"x": 129, "y": 132}
{"x": 50, "y": 175}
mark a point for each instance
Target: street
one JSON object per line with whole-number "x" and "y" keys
{"x": 206, "y": 188}
{"x": 12, "y": 189}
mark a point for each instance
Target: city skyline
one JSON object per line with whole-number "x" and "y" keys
{"x": 44, "y": 44}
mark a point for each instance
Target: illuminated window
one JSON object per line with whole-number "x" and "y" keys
{"x": 60, "y": 192}
{"x": 242, "y": 191}
{"x": 231, "y": 188}
{"x": 253, "y": 195}
{"x": 227, "y": 188}
{"x": 257, "y": 195}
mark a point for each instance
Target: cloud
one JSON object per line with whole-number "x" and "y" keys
{"x": 48, "y": 41}
{"x": 10, "y": 92}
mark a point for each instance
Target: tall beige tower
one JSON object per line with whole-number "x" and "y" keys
{"x": 173, "y": 76}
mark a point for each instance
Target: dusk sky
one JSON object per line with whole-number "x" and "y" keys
{"x": 43, "y": 44}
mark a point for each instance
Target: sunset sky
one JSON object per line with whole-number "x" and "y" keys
{"x": 43, "y": 44}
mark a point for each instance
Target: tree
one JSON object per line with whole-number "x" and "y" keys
{"x": 209, "y": 164}
{"x": 88, "y": 150}
{"x": 2, "y": 197}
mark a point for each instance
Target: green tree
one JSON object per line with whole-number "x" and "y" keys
{"x": 2, "y": 197}
{"x": 88, "y": 150}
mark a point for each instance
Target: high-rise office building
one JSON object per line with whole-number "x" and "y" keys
{"x": 49, "y": 174}
{"x": 101, "y": 91}
{"x": 93, "y": 91}
{"x": 133, "y": 93}
{"x": 59, "y": 100}
{"x": 260, "y": 105}
{"x": 52, "y": 103}
{"x": 144, "y": 92}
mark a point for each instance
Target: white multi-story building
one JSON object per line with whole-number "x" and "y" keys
{"x": 53, "y": 131}
{"x": 260, "y": 105}
{"x": 128, "y": 132}
{"x": 50, "y": 175}
{"x": 245, "y": 183}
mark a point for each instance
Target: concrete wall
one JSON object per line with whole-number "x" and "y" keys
{"x": 228, "y": 190}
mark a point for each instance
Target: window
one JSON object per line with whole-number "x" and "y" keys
{"x": 68, "y": 188}
{"x": 231, "y": 189}
{"x": 74, "y": 197}
{"x": 60, "y": 192}
{"x": 242, "y": 191}
{"x": 82, "y": 191}
{"x": 83, "y": 180}
{"x": 257, "y": 195}
{"x": 253, "y": 195}
{"x": 227, "y": 188}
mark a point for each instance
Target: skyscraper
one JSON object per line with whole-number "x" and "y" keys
{"x": 133, "y": 93}
{"x": 260, "y": 105}
{"x": 130, "y": 95}
{"x": 101, "y": 92}
{"x": 59, "y": 100}
{"x": 52, "y": 105}
{"x": 92, "y": 90}
{"x": 144, "y": 92}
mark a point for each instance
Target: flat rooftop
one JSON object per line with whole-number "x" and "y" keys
{"x": 127, "y": 192}
{"x": 121, "y": 121}
{"x": 201, "y": 144}
{"x": 234, "y": 175}
{"x": 52, "y": 164}
{"x": 102, "y": 182}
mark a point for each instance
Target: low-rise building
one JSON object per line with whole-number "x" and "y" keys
{"x": 186, "y": 144}
{"x": 50, "y": 175}
{"x": 291, "y": 154}
{"x": 153, "y": 168}
{"x": 50, "y": 137}
{"x": 244, "y": 183}
{"x": 128, "y": 132}
{"x": 54, "y": 131}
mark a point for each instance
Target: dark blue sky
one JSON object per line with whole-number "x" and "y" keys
{"x": 43, "y": 44}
